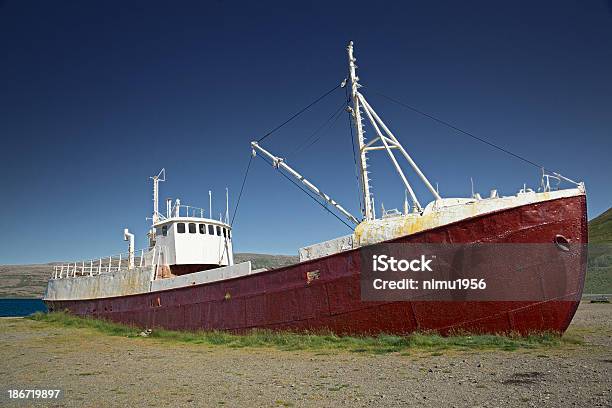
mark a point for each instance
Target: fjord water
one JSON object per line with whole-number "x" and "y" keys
{"x": 21, "y": 307}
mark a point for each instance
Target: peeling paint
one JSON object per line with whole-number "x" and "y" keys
{"x": 117, "y": 283}
{"x": 436, "y": 213}
{"x": 446, "y": 211}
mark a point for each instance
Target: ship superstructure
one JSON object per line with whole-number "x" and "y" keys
{"x": 184, "y": 239}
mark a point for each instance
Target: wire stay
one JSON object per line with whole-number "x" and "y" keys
{"x": 246, "y": 173}
{"x": 308, "y": 194}
{"x": 304, "y": 109}
{"x": 427, "y": 115}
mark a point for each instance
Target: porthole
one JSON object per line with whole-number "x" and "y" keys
{"x": 562, "y": 243}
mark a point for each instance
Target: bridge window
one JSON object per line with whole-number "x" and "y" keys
{"x": 202, "y": 228}
{"x": 229, "y": 234}
{"x": 211, "y": 230}
{"x": 218, "y": 230}
{"x": 180, "y": 227}
{"x": 165, "y": 230}
{"x": 224, "y": 233}
{"x": 192, "y": 228}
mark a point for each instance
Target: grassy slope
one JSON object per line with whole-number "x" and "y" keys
{"x": 382, "y": 343}
{"x": 600, "y": 228}
{"x": 599, "y": 275}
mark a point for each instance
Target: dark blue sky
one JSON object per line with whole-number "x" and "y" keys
{"x": 95, "y": 97}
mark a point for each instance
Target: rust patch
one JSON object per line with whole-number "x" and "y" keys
{"x": 312, "y": 275}
{"x": 165, "y": 272}
{"x": 156, "y": 302}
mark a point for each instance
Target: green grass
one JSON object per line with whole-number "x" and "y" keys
{"x": 600, "y": 228}
{"x": 598, "y": 280}
{"x": 380, "y": 344}
{"x": 599, "y": 272}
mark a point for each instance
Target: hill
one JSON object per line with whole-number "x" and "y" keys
{"x": 265, "y": 260}
{"x": 24, "y": 281}
{"x": 599, "y": 274}
{"x": 600, "y": 228}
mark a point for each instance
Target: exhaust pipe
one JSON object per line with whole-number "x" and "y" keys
{"x": 127, "y": 236}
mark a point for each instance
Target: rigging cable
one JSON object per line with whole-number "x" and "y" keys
{"x": 246, "y": 173}
{"x": 459, "y": 130}
{"x": 299, "y": 113}
{"x": 305, "y": 144}
{"x": 308, "y": 194}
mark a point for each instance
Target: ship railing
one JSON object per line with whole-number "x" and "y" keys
{"x": 191, "y": 211}
{"x": 112, "y": 263}
{"x": 182, "y": 210}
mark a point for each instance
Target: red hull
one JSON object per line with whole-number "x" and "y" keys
{"x": 282, "y": 299}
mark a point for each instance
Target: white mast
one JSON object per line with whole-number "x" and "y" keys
{"x": 384, "y": 140}
{"x": 161, "y": 176}
{"x": 356, "y": 113}
{"x": 388, "y": 142}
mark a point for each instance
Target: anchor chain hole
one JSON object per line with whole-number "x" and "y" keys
{"x": 562, "y": 243}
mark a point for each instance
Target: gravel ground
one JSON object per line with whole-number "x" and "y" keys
{"x": 100, "y": 371}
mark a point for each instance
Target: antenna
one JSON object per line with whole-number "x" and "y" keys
{"x": 472, "y": 183}
{"x": 177, "y": 208}
{"x": 168, "y": 207}
{"x": 226, "y": 205}
{"x": 210, "y": 203}
{"x": 161, "y": 176}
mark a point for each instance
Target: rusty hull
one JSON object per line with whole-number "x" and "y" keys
{"x": 324, "y": 294}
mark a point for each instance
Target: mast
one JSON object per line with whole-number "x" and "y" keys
{"x": 383, "y": 139}
{"x": 388, "y": 142}
{"x": 356, "y": 113}
{"x": 161, "y": 176}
